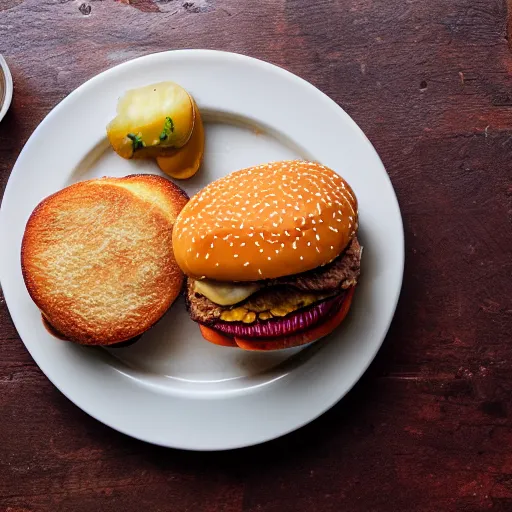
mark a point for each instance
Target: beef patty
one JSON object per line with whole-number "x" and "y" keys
{"x": 340, "y": 274}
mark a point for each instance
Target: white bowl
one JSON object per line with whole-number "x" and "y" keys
{"x": 6, "y": 87}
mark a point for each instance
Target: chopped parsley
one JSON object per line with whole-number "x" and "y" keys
{"x": 168, "y": 129}
{"x": 137, "y": 141}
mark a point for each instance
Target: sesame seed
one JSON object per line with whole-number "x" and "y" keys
{"x": 259, "y": 272}
{"x": 332, "y": 247}
{"x": 197, "y": 255}
{"x": 302, "y": 257}
{"x": 242, "y": 244}
{"x": 309, "y": 244}
{"x": 294, "y": 245}
{"x": 261, "y": 250}
{"x": 207, "y": 255}
{"x": 317, "y": 236}
{"x": 256, "y": 243}
{"x": 235, "y": 255}
{"x": 216, "y": 264}
{"x": 333, "y": 229}
{"x": 269, "y": 258}
{"x": 246, "y": 263}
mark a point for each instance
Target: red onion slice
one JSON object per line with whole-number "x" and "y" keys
{"x": 294, "y": 322}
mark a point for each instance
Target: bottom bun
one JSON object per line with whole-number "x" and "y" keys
{"x": 284, "y": 342}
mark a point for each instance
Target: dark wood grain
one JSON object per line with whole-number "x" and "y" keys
{"x": 428, "y": 428}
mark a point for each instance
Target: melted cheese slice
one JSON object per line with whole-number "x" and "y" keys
{"x": 225, "y": 294}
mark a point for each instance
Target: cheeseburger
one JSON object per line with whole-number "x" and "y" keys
{"x": 271, "y": 254}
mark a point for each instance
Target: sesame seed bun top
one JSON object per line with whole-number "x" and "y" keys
{"x": 268, "y": 221}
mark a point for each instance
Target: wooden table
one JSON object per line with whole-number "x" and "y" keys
{"x": 428, "y": 428}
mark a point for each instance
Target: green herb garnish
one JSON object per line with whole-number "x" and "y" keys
{"x": 137, "y": 141}
{"x": 168, "y": 129}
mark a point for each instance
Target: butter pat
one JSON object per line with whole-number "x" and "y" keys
{"x": 225, "y": 294}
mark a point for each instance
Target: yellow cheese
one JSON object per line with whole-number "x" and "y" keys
{"x": 225, "y": 294}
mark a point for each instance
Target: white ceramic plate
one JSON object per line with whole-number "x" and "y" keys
{"x": 172, "y": 388}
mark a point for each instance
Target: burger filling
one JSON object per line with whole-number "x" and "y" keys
{"x": 316, "y": 293}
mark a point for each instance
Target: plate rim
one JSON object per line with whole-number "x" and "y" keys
{"x": 272, "y": 67}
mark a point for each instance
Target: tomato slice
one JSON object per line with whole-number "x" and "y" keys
{"x": 313, "y": 334}
{"x": 216, "y": 337}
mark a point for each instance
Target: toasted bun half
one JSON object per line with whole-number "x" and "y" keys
{"x": 97, "y": 257}
{"x": 268, "y": 221}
